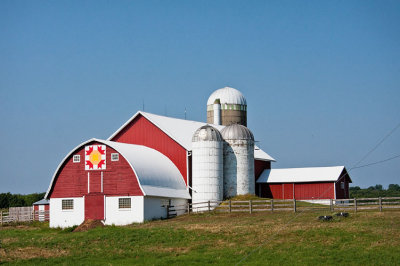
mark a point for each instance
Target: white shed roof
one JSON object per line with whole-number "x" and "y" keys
{"x": 298, "y": 175}
{"x": 165, "y": 180}
{"x": 182, "y": 131}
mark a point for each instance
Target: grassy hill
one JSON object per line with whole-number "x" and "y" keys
{"x": 364, "y": 238}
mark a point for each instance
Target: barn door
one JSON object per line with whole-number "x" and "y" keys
{"x": 94, "y": 206}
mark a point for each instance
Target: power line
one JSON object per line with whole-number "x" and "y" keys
{"x": 377, "y": 162}
{"x": 376, "y": 146}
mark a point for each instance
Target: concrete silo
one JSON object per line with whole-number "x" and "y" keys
{"x": 207, "y": 167}
{"x": 238, "y": 161}
{"x": 227, "y": 106}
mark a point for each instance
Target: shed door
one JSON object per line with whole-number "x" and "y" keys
{"x": 94, "y": 206}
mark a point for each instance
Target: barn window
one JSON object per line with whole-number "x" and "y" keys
{"x": 114, "y": 157}
{"x": 124, "y": 203}
{"x": 67, "y": 204}
{"x": 76, "y": 159}
{"x": 342, "y": 185}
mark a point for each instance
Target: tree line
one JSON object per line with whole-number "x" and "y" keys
{"x": 393, "y": 190}
{"x": 8, "y": 200}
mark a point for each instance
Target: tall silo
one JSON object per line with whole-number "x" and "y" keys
{"x": 227, "y": 106}
{"x": 238, "y": 161}
{"x": 207, "y": 167}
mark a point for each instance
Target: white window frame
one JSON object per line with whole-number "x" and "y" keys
{"x": 67, "y": 205}
{"x": 114, "y": 157}
{"x": 124, "y": 205}
{"x": 76, "y": 158}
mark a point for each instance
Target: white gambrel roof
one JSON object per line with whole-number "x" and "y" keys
{"x": 182, "y": 131}
{"x": 165, "y": 180}
{"x": 227, "y": 95}
{"x": 298, "y": 175}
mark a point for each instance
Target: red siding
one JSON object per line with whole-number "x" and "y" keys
{"x": 72, "y": 178}
{"x": 94, "y": 206}
{"x": 315, "y": 191}
{"x": 276, "y": 191}
{"x": 259, "y": 167}
{"x": 301, "y": 191}
{"x": 343, "y": 193}
{"x": 288, "y": 191}
{"x": 46, "y": 207}
{"x": 142, "y": 132}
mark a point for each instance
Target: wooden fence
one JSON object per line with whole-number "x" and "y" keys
{"x": 333, "y": 205}
{"x": 23, "y": 214}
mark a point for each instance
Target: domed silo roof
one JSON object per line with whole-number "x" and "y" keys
{"x": 237, "y": 132}
{"x": 207, "y": 133}
{"x": 227, "y": 95}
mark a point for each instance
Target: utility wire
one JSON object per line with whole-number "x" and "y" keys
{"x": 377, "y": 162}
{"x": 376, "y": 146}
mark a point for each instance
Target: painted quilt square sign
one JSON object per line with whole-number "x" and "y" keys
{"x": 95, "y": 157}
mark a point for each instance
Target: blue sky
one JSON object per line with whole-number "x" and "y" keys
{"x": 321, "y": 78}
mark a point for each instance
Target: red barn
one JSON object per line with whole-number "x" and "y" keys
{"x": 312, "y": 183}
{"x": 115, "y": 182}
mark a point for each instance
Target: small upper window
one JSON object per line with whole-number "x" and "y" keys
{"x": 342, "y": 185}
{"x": 124, "y": 203}
{"x": 114, "y": 157}
{"x": 67, "y": 204}
{"x": 76, "y": 159}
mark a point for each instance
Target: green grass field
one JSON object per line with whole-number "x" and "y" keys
{"x": 364, "y": 238}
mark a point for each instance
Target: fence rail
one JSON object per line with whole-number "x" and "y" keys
{"x": 23, "y": 214}
{"x": 374, "y": 204}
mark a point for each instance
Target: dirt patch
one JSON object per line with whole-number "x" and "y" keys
{"x": 30, "y": 253}
{"x": 8, "y": 240}
{"x": 88, "y": 224}
{"x": 177, "y": 250}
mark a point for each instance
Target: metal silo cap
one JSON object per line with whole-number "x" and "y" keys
{"x": 207, "y": 133}
{"x": 237, "y": 132}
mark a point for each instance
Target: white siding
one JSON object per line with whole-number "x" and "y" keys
{"x": 238, "y": 168}
{"x": 153, "y": 208}
{"x": 116, "y": 216}
{"x": 179, "y": 202}
{"x": 207, "y": 179}
{"x": 66, "y": 218}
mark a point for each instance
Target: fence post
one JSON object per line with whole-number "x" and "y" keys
{"x": 272, "y": 205}
{"x": 230, "y": 206}
{"x": 380, "y": 204}
{"x": 1, "y": 218}
{"x": 294, "y": 205}
{"x": 331, "y": 205}
{"x": 355, "y": 205}
{"x": 250, "y": 206}
{"x": 209, "y": 207}
{"x": 188, "y": 207}
{"x": 168, "y": 211}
